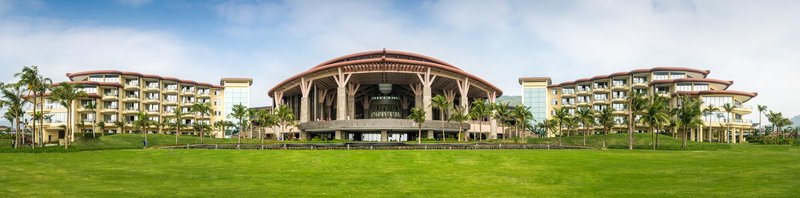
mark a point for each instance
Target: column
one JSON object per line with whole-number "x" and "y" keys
{"x": 733, "y": 136}
{"x": 417, "y": 90}
{"x": 320, "y": 110}
{"x": 463, "y": 89}
{"x": 427, "y": 80}
{"x": 741, "y": 136}
{"x": 305, "y": 88}
{"x": 692, "y": 134}
{"x": 430, "y": 134}
{"x": 384, "y": 136}
{"x": 492, "y": 98}
{"x": 365, "y": 106}
{"x": 338, "y": 135}
{"x": 341, "y": 80}
{"x": 351, "y": 100}
{"x": 701, "y": 135}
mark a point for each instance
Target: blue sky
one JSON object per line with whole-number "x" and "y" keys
{"x": 754, "y": 43}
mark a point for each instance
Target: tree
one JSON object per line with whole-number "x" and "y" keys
{"x": 689, "y": 115}
{"x": 561, "y": 116}
{"x": 655, "y": 116}
{"x": 204, "y": 109}
{"x": 547, "y": 125}
{"x": 521, "y": 114}
{"x": 240, "y": 113}
{"x": 66, "y": 93}
{"x": 91, "y": 106}
{"x": 102, "y": 126}
{"x": 761, "y": 109}
{"x": 418, "y": 116}
{"x": 141, "y": 123}
{"x": 119, "y": 124}
{"x": 220, "y": 125}
{"x": 708, "y": 112}
{"x": 178, "y": 123}
{"x": 13, "y": 101}
{"x": 635, "y": 106}
{"x": 441, "y": 103}
{"x": 36, "y": 86}
{"x": 285, "y": 118}
{"x": 571, "y": 123}
{"x": 605, "y": 118}
{"x": 728, "y": 107}
{"x": 778, "y": 121}
{"x": 480, "y": 110}
{"x": 459, "y": 116}
{"x": 502, "y": 113}
{"x": 586, "y": 118}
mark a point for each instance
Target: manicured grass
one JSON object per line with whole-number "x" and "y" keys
{"x": 742, "y": 171}
{"x": 641, "y": 141}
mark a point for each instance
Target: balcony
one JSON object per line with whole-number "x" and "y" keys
{"x": 203, "y": 95}
{"x": 172, "y": 90}
{"x": 187, "y": 93}
{"x": 640, "y": 83}
{"x": 601, "y": 89}
{"x": 130, "y": 86}
{"x": 170, "y": 102}
{"x": 743, "y": 109}
{"x": 110, "y": 96}
{"x": 187, "y": 103}
{"x": 151, "y": 100}
{"x": 131, "y": 110}
{"x": 602, "y": 100}
{"x": 584, "y": 91}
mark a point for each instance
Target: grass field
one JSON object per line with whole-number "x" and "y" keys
{"x": 741, "y": 171}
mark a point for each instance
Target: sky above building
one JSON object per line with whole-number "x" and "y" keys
{"x": 754, "y": 43}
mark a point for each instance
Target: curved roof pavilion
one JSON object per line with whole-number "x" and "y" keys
{"x": 365, "y": 91}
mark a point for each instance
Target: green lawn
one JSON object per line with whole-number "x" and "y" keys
{"x": 741, "y": 171}
{"x": 641, "y": 141}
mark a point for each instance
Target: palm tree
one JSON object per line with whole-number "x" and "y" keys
{"x": 635, "y": 106}
{"x": 586, "y": 118}
{"x": 689, "y": 115}
{"x": 655, "y": 116}
{"x": 547, "y": 125}
{"x": 560, "y": 117}
{"x": 418, "y": 116}
{"x": 178, "y": 123}
{"x": 761, "y": 109}
{"x": 605, "y": 118}
{"x": 572, "y": 123}
{"x": 204, "y": 109}
{"x": 460, "y": 115}
{"x": 13, "y": 100}
{"x": 91, "y": 106}
{"x": 778, "y": 121}
{"x": 728, "y": 107}
{"x": 102, "y": 126}
{"x": 285, "y": 118}
{"x": 240, "y": 113}
{"x": 502, "y": 113}
{"x": 141, "y": 124}
{"x": 120, "y": 124}
{"x": 66, "y": 93}
{"x": 441, "y": 103}
{"x": 480, "y": 111}
{"x": 220, "y": 124}
{"x": 709, "y": 111}
{"x": 521, "y": 114}
{"x": 36, "y": 86}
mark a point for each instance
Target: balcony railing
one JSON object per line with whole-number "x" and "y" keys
{"x": 748, "y": 107}
{"x": 111, "y": 107}
{"x": 745, "y": 121}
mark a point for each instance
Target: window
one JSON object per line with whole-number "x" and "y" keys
{"x": 554, "y": 102}
{"x": 96, "y": 78}
{"x": 152, "y": 84}
{"x": 700, "y": 87}
{"x": 172, "y": 87}
{"x": 56, "y": 117}
{"x": 684, "y": 87}
{"x": 677, "y": 75}
{"x": 660, "y": 76}
{"x": 110, "y": 105}
{"x": 619, "y": 94}
{"x": 172, "y": 98}
{"x": 601, "y": 85}
{"x": 132, "y": 82}
{"x": 112, "y": 78}
{"x": 618, "y": 107}
{"x": 555, "y": 91}
{"x": 600, "y": 97}
{"x": 110, "y": 92}
{"x": 90, "y": 89}
{"x": 618, "y": 83}
{"x": 640, "y": 79}
{"x": 600, "y": 107}
{"x": 662, "y": 90}
{"x": 568, "y": 91}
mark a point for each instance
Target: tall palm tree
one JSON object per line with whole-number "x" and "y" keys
{"x": 240, "y": 113}
{"x": 480, "y": 110}
{"x": 728, "y": 107}
{"x": 586, "y": 118}
{"x": 502, "y": 113}
{"x": 605, "y": 118}
{"x": 778, "y": 121}
{"x": 35, "y": 86}
{"x": 204, "y": 109}
{"x": 66, "y": 94}
{"x": 655, "y": 115}
{"x": 689, "y": 116}
{"x": 459, "y": 116}
{"x": 521, "y": 114}
{"x": 560, "y": 117}
{"x": 418, "y": 116}
{"x": 141, "y": 123}
{"x": 178, "y": 122}
{"x": 547, "y": 125}
{"x": 119, "y": 124}
{"x": 710, "y": 111}
{"x": 285, "y": 117}
{"x": 636, "y": 104}
{"x": 572, "y": 123}
{"x": 91, "y": 106}
{"x": 761, "y": 109}
{"x": 441, "y": 103}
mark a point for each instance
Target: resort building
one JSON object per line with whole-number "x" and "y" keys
{"x": 367, "y": 96}
{"x": 611, "y": 91}
{"x": 116, "y": 97}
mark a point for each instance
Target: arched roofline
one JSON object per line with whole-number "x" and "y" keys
{"x": 95, "y": 72}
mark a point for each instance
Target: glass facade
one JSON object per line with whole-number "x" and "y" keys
{"x": 536, "y": 99}
{"x": 234, "y": 96}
